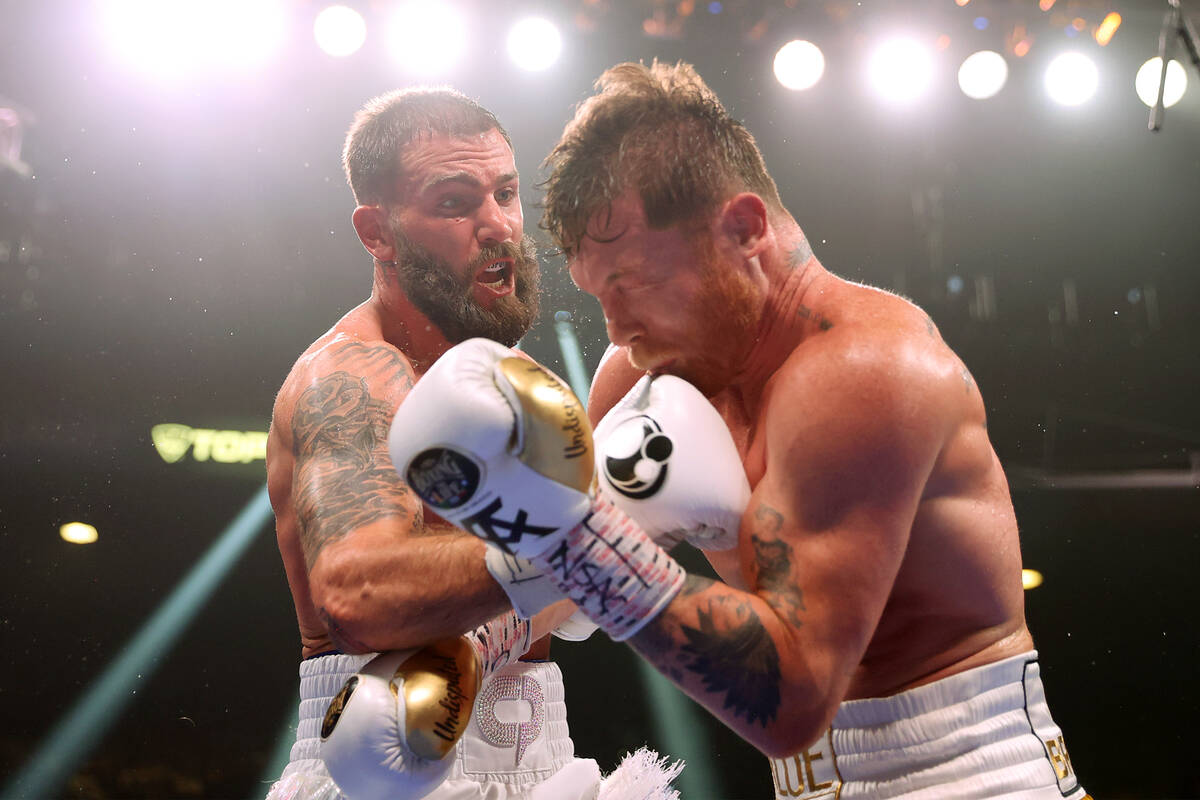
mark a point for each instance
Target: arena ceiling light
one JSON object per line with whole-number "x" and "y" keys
{"x": 534, "y": 44}
{"x": 340, "y": 31}
{"x": 427, "y": 37}
{"x": 799, "y": 64}
{"x": 1071, "y": 79}
{"x": 171, "y": 39}
{"x": 900, "y": 70}
{"x": 1146, "y": 82}
{"x": 983, "y": 74}
{"x": 78, "y": 533}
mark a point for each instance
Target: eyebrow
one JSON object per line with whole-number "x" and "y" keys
{"x": 467, "y": 178}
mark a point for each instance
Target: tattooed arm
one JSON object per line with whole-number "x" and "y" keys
{"x": 849, "y": 446}
{"x": 380, "y": 575}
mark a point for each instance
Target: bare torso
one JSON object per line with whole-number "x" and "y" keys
{"x": 957, "y": 599}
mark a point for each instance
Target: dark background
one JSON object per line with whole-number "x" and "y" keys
{"x": 179, "y": 243}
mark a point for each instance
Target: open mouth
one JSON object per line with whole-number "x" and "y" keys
{"x": 496, "y": 276}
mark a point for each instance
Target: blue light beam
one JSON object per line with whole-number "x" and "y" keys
{"x": 84, "y": 726}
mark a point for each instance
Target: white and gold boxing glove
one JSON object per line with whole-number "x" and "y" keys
{"x": 670, "y": 463}
{"x": 502, "y": 448}
{"x": 392, "y": 729}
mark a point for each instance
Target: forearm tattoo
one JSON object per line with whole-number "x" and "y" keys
{"x": 727, "y": 647}
{"x": 344, "y": 477}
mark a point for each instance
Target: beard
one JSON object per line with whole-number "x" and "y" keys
{"x": 432, "y": 286}
{"x": 719, "y": 329}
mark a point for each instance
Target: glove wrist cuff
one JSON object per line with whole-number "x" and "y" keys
{"x": 500, "y": 641}
{"x": 613, "y": 571}
{"x": 527, "y": 588}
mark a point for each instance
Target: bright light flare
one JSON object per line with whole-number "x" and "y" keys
{"x": 1071, "y": 79}
{"x": 1105, "y": 31}
{"x": 534, "y": 44}
{"x": 983, "y": 74}
{"x": 427, "y": 38}
{"x": 78, "y": 533}
{"x": 1146, "y": 82}
{"x": 170, "y": 39}
{"x": 1031, "y": 579}
{"x": 900, "y": 70}
{"x": 799, "y": 64}
{"x": 340, "y": 31}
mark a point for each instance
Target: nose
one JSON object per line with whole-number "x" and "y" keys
{"x": 493, "y": 225}
{"x": 622, "y": 329}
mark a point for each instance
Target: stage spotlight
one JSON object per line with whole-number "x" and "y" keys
{"x": 427, "y": 38}
{"x": 534, "y": 44}
{"x": 167, "y": 39}
{"x": 78, "y": 533}
{"x": 983, "y": 74}
{"x": 1071, "y": 79}
{"x": 339, "y": 31}
{"x": 799, "y": 64}
{"x": 248, "y": 32}
{"x": 900, "y": 70}
{"x": 151, "y": 36}
{"x": 1146, "y": 82}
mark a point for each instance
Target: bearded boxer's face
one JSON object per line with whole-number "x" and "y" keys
{"x": 448, "y": 296}
{"x": 668, "y": 296}
{"x": 460, "y": 252}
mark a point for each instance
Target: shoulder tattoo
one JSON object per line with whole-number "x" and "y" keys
{"x": 344, "y": 477}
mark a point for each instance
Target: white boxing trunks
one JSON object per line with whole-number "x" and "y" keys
{"x": 983, "y": 733}
{"x": 516, "y": 746}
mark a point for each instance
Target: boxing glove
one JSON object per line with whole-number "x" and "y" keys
{"x": 669, "y": 462}
{"x": 391, "y": 730}
{"x": 497, "y": 445}
{"x": 502, "y": 448}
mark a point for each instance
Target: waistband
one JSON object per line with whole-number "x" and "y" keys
{"x": 517, "y": 733}
{"x": 986, "y": 732}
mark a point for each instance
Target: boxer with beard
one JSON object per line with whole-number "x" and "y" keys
{"x": 371, "y": 570}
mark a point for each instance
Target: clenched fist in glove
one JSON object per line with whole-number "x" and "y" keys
{"x": 391, "y": 730}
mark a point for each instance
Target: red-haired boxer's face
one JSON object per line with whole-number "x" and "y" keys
{"x": 461, "y": 253}
{"x": 667, "y": 296}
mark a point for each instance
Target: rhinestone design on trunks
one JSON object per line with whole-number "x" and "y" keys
{"x": 507, "y": 734}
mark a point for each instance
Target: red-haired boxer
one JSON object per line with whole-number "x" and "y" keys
{"x": 869, "y": 633}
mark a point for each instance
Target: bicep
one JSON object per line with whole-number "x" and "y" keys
{"x": 343, "y": 478}
{"x": 828, "y": 525}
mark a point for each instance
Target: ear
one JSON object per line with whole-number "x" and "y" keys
{"x": 744, "y": 221}
{"x": 370, "y": 223}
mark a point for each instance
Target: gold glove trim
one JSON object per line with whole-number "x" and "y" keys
{"x": 557, "y": 440}
{"x": 336, "y": 706}
{"x": 440, "y": 682}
